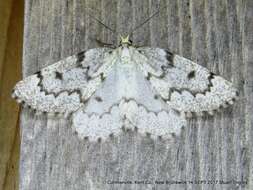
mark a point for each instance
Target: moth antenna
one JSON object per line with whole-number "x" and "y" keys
{"x": 103, "y": 44}
{"x": 100, "y": 22}
{"x": 148, "y": 19}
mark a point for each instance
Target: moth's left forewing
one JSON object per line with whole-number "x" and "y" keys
{"x": 66, "y": 85}
{"x": 185, "y": 85}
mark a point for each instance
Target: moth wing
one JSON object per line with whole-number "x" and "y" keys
{"x": 183, "y": 84}
{"x": 66, "y": 85}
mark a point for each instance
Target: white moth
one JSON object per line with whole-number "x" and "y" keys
{"x": 107, "y": 89}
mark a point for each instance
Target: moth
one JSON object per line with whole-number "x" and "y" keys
{"x": 106, "y": 89}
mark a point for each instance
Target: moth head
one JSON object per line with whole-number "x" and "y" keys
{"x": 125, "y": 40}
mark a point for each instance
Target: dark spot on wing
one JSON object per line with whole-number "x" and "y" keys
{"x": 156, "y": 96}
{"x": 58, "y": 75}
{"x": 211, "y": 75}
{"x": 166, "y": 67}
{"x": 79, "y": 93}
{"x": 148, "y": 77}
{"x": 37, "y": 73}
{"x": 80, "y": 56}
{"x": 169, "y": 56}
{"x": 102, "y": 77}
{"x": 148, "y": 134}
{"x": 163, "y": 68}
{"x": 56, "y": 113}
{"x": 191, "y": 75}
{"x": 88, "y": 78}
{"x": 98, "y": 99}
{"x": 123, "y": 128}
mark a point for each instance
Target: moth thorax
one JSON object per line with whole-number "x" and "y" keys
{"x": 125, "y": 55}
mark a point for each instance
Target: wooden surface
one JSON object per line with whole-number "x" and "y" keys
{"x": 214, "y": 33}
{"x": 11, "y": 39}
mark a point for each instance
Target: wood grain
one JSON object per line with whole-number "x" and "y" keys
{"x": 216, "y": 34}
{"x": 11, "y": 37}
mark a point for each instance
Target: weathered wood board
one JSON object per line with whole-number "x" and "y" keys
{"x": 11, "y": 19}
{"x": 213, "y": 150}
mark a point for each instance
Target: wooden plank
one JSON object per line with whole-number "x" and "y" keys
{"x": 5, "y": 8}
{"x": 11, "y": 19}
{"x": 247, "y": 41}
{"x": 215, "y": 34}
